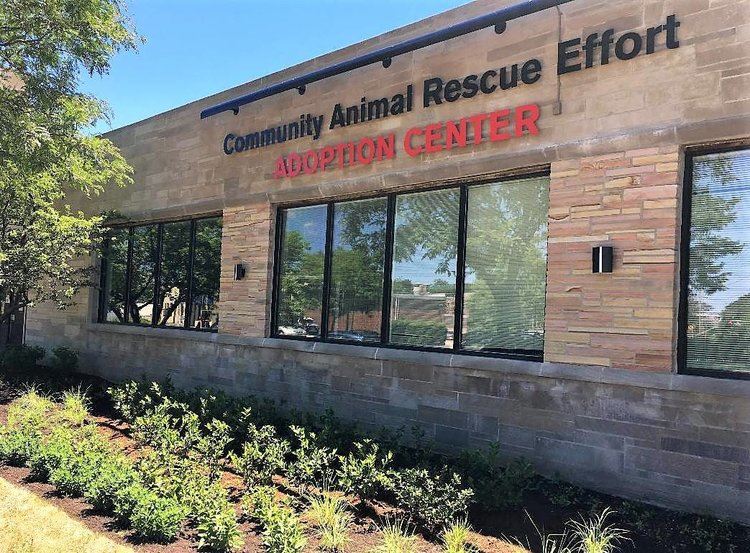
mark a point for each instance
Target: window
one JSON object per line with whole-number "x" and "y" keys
{"x": 423, "y": 291}
{"x": 301, "y": 268}
{"x": 358, "y": 258}
{"x": 458, "y": 269}
{"x": 506, "y": 265}
{"x": 164, "y": 274}
{"x": 716, "y": 279}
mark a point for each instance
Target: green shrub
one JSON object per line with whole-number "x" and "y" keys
{"x": 151, "y": 517}
{"x": 257, "y": 504}
{"x": 261, "y": 457}
{"x": 313, "y": 464}
{"x": 64, "y": 360}
{"x": 418, "y": 333}
{"x": 364, "y": 472}
{"x": 75, "y": 473}
{"x": 431, "y": 499}
{"x": 211, "y": 446}
{"x": 51, "y": 452}
{"x": 115, "y": 473}
{"x": 218, "y": 530}
{"x": 283, "y": 531}
{"x": 17, "y": 445}
{"x": 21, "y": 357}
{"x": 495, "y": 486}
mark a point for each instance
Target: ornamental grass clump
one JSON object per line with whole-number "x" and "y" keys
{"x": 595, "y": 535}
{"x": 455, "y": 537}
{"x": 331, "y": 517}
{"x": 396, "y": 538}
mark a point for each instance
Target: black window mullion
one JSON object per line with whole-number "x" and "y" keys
{"x": 463, "y": 208}
{"x": 390, "y": 222}
{"x": 191, "y": 269}
{"x": 128, "y": 274}
{"x": 327, "y": 265}
{"x": 277, "y": 271}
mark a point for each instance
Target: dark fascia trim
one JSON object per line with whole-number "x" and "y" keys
{"x": 498, "y": 19}
{"x": 691, "y": 152}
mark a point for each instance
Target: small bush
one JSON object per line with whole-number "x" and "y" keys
{"x": 258, "y": 504}
{"x": 150, "y": 516}
{"x": 261, "y": 457}
{"x": 211, "y": 446}
{"x": 21, "y": 358}
{"x": 76, "y": 472}
{"x": 364, "y": 472}
{"x": 51, "y": 452}
{"x": 283, "y": 531}
{"x": 314, "y": 464}
{"x": 495, "y": 486}
{"x": 115, "y": 473}
{"x": 218, "y": 530}
{"x": 431, "y": 499}
{"x": 17, "y": 445}
{"x": 64, "y": 360}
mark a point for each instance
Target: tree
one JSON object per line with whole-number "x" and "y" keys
{"x": 45, "y": 153}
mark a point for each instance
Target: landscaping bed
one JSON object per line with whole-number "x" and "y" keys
{"x": 161, "y": 469}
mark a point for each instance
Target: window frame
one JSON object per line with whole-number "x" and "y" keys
{"x": 463, "y": 187}
{"x": 684, "y": 253}
{"x": 101, "y": 314}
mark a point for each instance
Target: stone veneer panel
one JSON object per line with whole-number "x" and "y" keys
{"x": 624, "y": 319}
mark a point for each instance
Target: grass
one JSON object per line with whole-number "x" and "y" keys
{"x": 29, "y": 524}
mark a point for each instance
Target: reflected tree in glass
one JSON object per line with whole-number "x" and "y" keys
{"x": 143, "y": 266}
{"x": 171, "y": 296}
{"x": 115, "y": 263}
{"x": 719, "y": 266}
{"x": 204, "y": 311}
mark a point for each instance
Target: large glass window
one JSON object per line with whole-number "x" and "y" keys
{"x": 114, "y": 268}
{"x": 167, "y": 274}
{"x": 357, "y": 270}
{"x": 142, "y": 274}
{"x": 206, "y": 271}
{"x": 425, "y": 249}
{"x": 506, "y": 265}
{"x": 460, "y": 268}
{"x": 718, "y": 287}
{"x": 171, "y": 297}
{"x": 300, "y": 300}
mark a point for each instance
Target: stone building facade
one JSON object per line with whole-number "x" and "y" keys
{"x": 609, "y": 405}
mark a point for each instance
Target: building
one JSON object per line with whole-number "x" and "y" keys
{"x": 425, "y": 240}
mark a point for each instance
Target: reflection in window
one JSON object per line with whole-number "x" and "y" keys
{"x": 114, "y": 265}
{"x": 300, "y": 294}
{"x": 357, "y": 270}
{"x": 506, "y": 247}
{"x": 206, "y": 272}
{"x": 141, "y": 297}
{"x": 424, "y": 269}
{"x": 718, "y": 317}
{"x": 171, "y": 298}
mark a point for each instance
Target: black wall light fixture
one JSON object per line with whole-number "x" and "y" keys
{"x": 239, "y": 271}
{"x": 601, "y": 259}
{"x": 497, "y": 19}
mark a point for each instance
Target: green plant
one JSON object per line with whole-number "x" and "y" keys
{"x": 17, "y": 445}
{"x": 364, "y": 472}
{"x": 218, "y": 530}
{"x": 76, "y": 472}
{"x": 594, "y": 535}
{"x": 261, "y": 457}
{"x": 211, "y": 446}
{"x": 495, "y": 486}
{"x": 115, "y": 473}
{"x": 21, "y": 357}
{"x": 397, "y": 538}
{"x": 259, "y": 502}
{"x": 75, "y": 407}
{"x": 431, "y": 499}
{"x": 283, "y": 532}
{"x": 50, "y": 453}
{"x": 455, "y": 537}
{"x": 64, "y": 360}
{"x": 330, "y": 515}
{"x": 157, "y": 518}
{"x": 313, "y": 464}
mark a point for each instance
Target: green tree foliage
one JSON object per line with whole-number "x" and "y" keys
{"x": 45, "y": 154}
{"x": 301, "y": 278}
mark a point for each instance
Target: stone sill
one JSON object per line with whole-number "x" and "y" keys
{"x": 563, "y": 371}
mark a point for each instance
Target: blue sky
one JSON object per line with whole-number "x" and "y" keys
{"x": 195, "y": 48}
